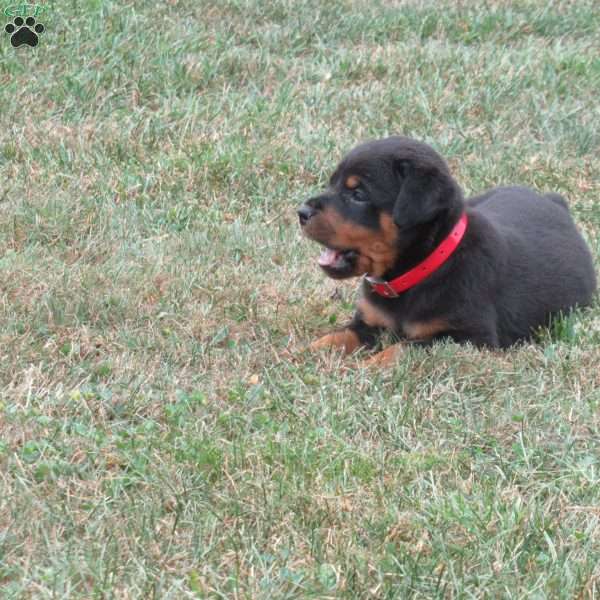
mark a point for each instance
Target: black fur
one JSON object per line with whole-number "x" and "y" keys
{"x": 520, "y": 262}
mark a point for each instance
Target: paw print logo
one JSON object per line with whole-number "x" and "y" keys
{"x": 24, "y": 31}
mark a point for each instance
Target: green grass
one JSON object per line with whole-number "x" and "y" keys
{"x": 160, "y": 434}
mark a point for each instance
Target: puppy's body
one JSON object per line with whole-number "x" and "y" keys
{"x": 520, "y": 262}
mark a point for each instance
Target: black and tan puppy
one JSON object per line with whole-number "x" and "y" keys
{"x": 488, "y": 270}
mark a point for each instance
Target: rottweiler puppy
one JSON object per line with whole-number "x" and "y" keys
{"x": 487, "y": 270}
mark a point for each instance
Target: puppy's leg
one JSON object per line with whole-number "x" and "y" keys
{"x": 356, "y": 335}
{"x": 392, "y": 354}
{"x": 481, "y": 337}
{"x": 386, "y": 357}
{"x": 345, "y": 339}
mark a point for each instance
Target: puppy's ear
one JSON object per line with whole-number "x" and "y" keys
{"x": 425, "y": 192}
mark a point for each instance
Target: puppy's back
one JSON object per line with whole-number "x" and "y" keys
{"x": 549, "y": 267}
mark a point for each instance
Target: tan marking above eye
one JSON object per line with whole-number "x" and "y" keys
{"x": 352, "y": 182}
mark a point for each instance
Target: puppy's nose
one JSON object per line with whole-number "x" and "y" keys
{"x": 305, "y": 213}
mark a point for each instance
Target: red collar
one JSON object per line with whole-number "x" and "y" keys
{"x": 391, "y": 289}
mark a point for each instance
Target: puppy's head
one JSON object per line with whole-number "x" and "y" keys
{"x": 380, "y": 196}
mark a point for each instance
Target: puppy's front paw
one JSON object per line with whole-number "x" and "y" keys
{"x": 345, "y": 340}
{"x": 385, "y": 358}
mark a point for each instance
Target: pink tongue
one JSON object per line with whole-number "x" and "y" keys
{"x": 328, "y": 257}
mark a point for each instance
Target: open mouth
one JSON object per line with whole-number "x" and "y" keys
{"x": 338, "y": 263}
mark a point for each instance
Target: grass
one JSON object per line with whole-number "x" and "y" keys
{"x": 160, "y": 434}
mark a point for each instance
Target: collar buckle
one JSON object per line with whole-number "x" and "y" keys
{"x": 376, "y": 282}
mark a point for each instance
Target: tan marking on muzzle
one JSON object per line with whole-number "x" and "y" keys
{"x": 377, "y": 247}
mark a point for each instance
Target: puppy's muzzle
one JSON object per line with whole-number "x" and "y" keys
{"x": 308, "y": 210}
{"x": 305, "y": 214}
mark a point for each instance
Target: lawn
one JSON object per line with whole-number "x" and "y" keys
{"x": 162, "y": 434}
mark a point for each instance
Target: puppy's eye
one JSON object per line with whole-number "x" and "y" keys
{"x": 359, "y": 196}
